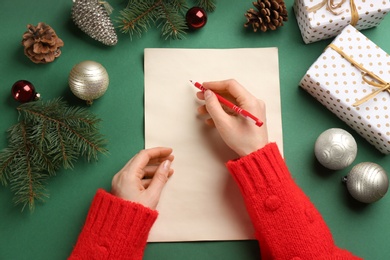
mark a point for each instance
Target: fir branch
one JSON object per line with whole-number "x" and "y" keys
{"x": 60, "y": 127}
{"x": 173, "y": 25}
{"x": 48, "y": 136}
{"x": 29, "y": 169}
{"x": 169, "y": 15}
{"x": 7, "y": 157}
{"x": 179, "y": 6}
{"x": 136, "y": 17}
{"x": 207, "y": 5}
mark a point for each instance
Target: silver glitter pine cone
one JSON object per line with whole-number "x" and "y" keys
{"x": 88, "y": 80}
{"x": 367, "y": 182}
{"x": 92, "y": 17}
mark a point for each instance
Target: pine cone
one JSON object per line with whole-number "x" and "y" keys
{"x": 270, "y": 14}
{"x": 41, "y": 43}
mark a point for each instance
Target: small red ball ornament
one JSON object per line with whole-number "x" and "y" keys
{"x": 24, "y": 91}
{"x": 196, "y": 18}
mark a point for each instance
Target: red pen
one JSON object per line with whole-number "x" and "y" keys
{"x": 232, "y": 106}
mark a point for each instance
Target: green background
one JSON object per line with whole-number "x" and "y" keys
{"x": 52, "y": 229}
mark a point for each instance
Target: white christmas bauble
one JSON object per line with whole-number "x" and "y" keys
{"x": 335, "y": 149}
{"x": 367, "y": 182}
{"x": 88, "y": 80}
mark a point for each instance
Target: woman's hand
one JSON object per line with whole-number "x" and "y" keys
{"x": 241, "y": 135}
{"x": 143, "y": 178}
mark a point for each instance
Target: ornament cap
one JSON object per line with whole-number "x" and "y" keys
{"x": 37, "y": 96}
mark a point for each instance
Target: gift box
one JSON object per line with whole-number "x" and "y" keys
{"x": 323, "y": 19}
{"x": 352, "y": 79}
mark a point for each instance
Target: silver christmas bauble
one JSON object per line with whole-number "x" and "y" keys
{"x": 335, "y": 149}
{"x": 88, "y": 80}
{"x": 367, "y": 182}
{"x": 92, "y": 17}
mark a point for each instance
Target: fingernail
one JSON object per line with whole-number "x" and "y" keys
{"x": 207, "y": 94}
{"x": 167, "y": 165}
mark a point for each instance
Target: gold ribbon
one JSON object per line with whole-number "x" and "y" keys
{"x": 376, "y": 81}
{"x": 332, "y": 7}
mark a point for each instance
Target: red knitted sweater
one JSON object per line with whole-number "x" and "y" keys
{"x": 286, "y": 223}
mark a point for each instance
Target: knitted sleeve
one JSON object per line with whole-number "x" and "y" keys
{"x": 287, "y": 224}
{"x": 114, "y": 229}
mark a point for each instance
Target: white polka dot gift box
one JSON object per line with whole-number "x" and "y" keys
{"x": 323, "y": 19}
{"x": 352, "y": 79}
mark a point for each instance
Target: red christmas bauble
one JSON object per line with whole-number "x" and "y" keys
{"x": 24, "y": 91}
{"x": 196, "y": 18}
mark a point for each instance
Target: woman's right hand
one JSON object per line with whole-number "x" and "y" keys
{"x": 241, "y": 135}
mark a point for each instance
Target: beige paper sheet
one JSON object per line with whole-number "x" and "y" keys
{"x": 201, "y": 201}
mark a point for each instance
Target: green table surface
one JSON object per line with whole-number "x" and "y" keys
{"x": 50, "y": 232}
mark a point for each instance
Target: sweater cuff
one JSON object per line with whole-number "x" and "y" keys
{"x": 114, "y": 227}
{"x": 110, "y": 214}
{"x": 261, "y": 169}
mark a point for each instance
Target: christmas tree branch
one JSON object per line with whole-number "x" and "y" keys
{"x": 25, "y": 177}
{"x": 173, "y": 24}
{"x": 48, "y": 136}
{"x": 67, "y": 127}
{"x": 138, "y": 15}
{"x": 6, "y": 157}
{"x": 208, "y": 5}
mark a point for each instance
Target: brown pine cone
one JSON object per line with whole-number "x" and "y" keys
{"x": 41, "y": 43}
{"x": 270, "y": 14}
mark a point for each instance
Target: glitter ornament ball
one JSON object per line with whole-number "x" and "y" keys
{"x": 335, "y": 149}
{"x": 196, "y": 18}
{"x": 24, "y": 91}
{"x": 367, "y": 182}
{"x": 88, "y": 80}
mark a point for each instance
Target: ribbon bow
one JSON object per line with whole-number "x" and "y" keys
{"x": 375, "y": 81}
{"x": 332, "y": 7}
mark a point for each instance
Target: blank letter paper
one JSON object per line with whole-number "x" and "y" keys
{"x": 201, "y": 201}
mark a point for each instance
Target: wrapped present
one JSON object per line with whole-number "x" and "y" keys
{"x": 323, "y": 19}
{"x": 352, "y": 79}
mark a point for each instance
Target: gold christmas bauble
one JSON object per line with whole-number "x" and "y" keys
{"x": 88, "y": 80}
